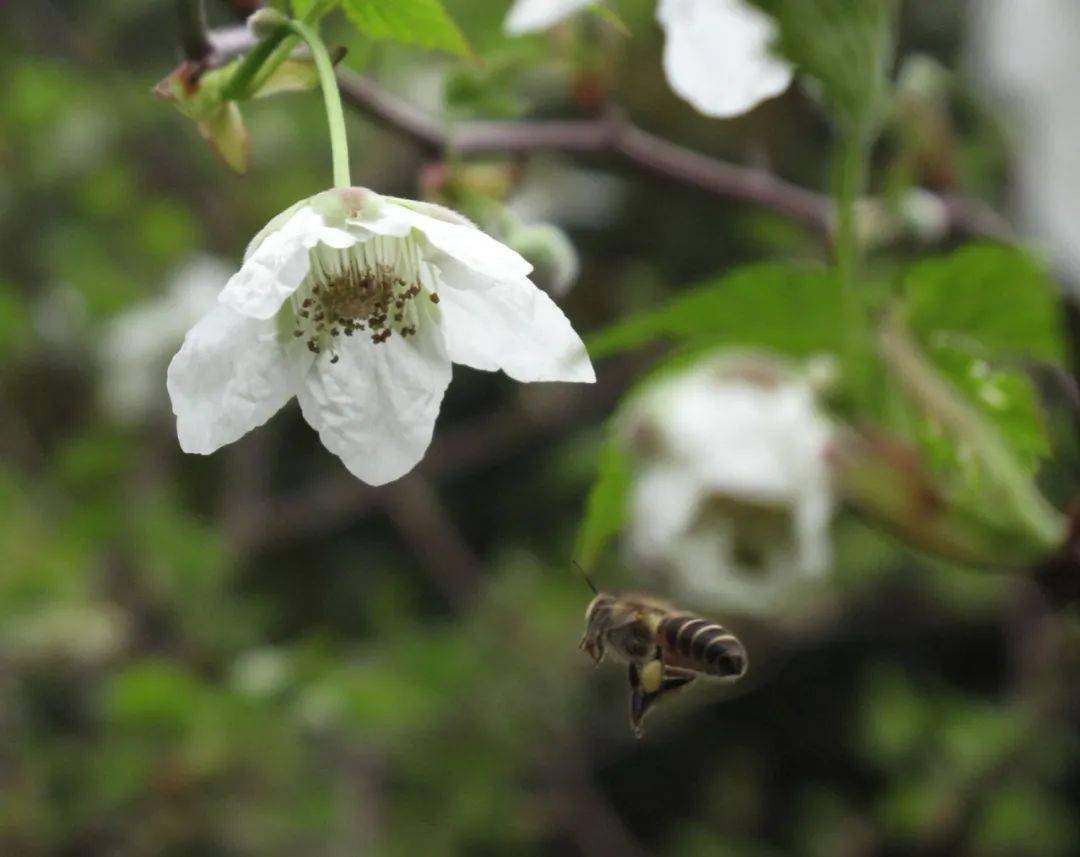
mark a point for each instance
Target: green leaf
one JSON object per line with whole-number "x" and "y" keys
{"x": 412, "y": 22}
{"x": 1005, "y": 398}
{"x": 293, "y": 75}
{"x": 312, "y": 10}
{"x": 219, "y": 120}
{"x": 846, "y": 46}
{"x": 605, "y": 510}
{"x": 989, "y": 299}
{"x": 794, "y": 310}
{"x": 1021, "y": 818}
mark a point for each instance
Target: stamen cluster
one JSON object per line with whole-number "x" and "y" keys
{"x": 354, "y": 293}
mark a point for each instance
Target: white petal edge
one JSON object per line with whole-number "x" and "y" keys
{"x": 485, "y": 257}
{"x": 527, "y": 16}
{"x": 376, "y": 408}
{"x": 717, "y": 55}
{"x": 230, "y": 376}
{"x": 277, "y": 266}
{"x": 515, "y": 327}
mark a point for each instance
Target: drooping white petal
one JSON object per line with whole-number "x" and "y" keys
{"x": 717, "y": 55}
{"x": 489, "y": 260}
{"x": 527, "y": 16}
{"x": 277, "y": 266}
{"x": 515, "y": 327}
{"x": 230, "y": 376}
{"x": 376, "y": 407}
{"x": 275, "y": 223}
{"x": 665, "y": 500}
{"x": 432, "y": 209}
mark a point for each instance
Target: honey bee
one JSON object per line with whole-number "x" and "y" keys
{"x": 665, "y": 648}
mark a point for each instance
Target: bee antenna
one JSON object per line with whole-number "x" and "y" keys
{"x": 586, "y": 577}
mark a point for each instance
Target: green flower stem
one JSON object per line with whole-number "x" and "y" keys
{"x": 335, "y": 116}
{"x": 936, "y": 398}
{"x": 241, "y": 84}
{"x": 269, "y": 52}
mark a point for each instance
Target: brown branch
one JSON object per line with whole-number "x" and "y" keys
{"x": 611, "y": 134}
{"x": 415, "y": 509}
{"x": 194, "y": 38}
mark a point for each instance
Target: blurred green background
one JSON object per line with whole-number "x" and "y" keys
{"x": 253, "y": 653}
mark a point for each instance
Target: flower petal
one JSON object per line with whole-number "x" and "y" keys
{"x": 485, "y": 258}
{"x": 277, "y": 265}
{"x": 527, "y": 16}
{"x": 717, "y": 55}
{"x": 376, "y": 407}
{"x": 230, "y": 376}
{"x": 515, "y": 327}
{"x": 665, "y": 499}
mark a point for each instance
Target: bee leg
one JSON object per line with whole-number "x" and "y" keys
{"x": 638, "y": 701}
{"x": 644, "y": 694}
{"x": 646, "y": 686}
{"x": 676, "y": 677}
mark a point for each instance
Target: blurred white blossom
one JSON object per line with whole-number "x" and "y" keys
{"x": 717, "y": 54}
{"x": 1026, "y": 54}
{"x": 732, "y": 498}
{"x": 138, "y": 344}
{"x": 571, "y": 196}
{"x": 357, "y": 304}
{"x": 84, "y": 634}
{"x": 553, "y": 195}
{"x": 261, "y": 672}
{"x": 551, "y": 253}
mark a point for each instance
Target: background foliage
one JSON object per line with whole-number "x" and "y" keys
{"x": 254, "y": 654}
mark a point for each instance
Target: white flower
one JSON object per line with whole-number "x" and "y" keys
{"x": 732, "y": 497}
{"x": 527, "y": 16}
{"x": 137, "y": 344}
{"x": 356, "y": 304}
{"x": 1025, "y": 54}
{"x": 717, "y": 55}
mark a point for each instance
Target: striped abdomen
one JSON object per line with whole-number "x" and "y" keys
{"x": 701, "y": 645}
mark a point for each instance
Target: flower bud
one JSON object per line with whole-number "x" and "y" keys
{"x": 554, "y": 259}
{"x": 265, "y": 21}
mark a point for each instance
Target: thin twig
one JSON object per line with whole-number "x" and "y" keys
{"x": 415, "y": 508}
{"x": 611, "y": 134}
{"x": 194, "y": 38}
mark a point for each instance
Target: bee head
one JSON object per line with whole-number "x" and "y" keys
{"x": 597, "y": 617}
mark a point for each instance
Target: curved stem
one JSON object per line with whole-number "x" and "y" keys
{"x": 241, "y": 83}
{"x": 268, "y": 53}
{"x": 335, "y": 116}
